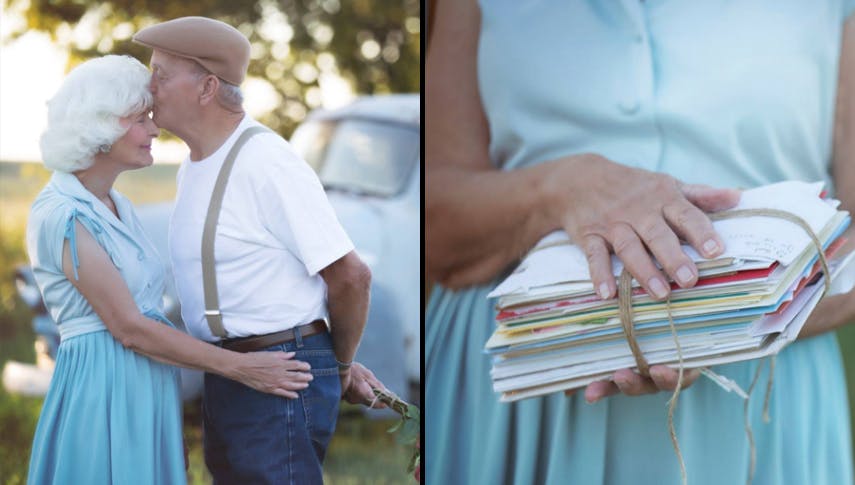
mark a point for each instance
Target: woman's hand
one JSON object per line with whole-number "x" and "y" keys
{"x": 273, "y": 372}
{"x": 607, "y": 207}
{"x": 662, "y": 378}
{"x": 356, "y": 385}
{"x": 635, "y": 213}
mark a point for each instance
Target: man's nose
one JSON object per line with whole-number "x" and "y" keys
{"x": 152, "y": 86}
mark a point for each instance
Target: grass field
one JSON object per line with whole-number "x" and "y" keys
{"x": 361, "y": 452}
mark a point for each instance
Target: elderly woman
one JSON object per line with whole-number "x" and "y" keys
{"x": 599, "y": 118}
{"x": 112, "y": 413}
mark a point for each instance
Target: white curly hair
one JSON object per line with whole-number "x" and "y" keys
{"x": 83, "y": 116}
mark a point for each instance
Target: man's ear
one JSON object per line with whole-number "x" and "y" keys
{"x": 208, "y": 89}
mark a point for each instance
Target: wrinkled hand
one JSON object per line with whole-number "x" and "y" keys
{"x": 356, "y": 385}
{"x": 662, "y": 378}
{"x": 638, "y": 215}
{"x": 274, "y": 373}
{"x": 630, "y": 211}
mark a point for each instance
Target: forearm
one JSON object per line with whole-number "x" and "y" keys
{"x": 836, "y": 311}
{"x": 348, "y": 311}
{"x": 482, "y": 220}
{"x": 843, "y": 160}
{"x": 479, "y": 219}
{"x": 832, "y": 313}
{"x": 269, "y": 372}
{"x": 165, "y": 344}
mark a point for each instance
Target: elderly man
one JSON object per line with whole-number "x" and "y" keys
{"x": 282, "y": 268}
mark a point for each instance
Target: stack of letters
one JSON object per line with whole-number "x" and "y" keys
{"x": 554, "y": 333}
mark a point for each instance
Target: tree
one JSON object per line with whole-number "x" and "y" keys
{"x": 297, "y": 45}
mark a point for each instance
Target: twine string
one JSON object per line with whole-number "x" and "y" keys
{"x": 745, "y": 417}
{"x": 390, "y": 399}
{"x": 626, "y": 319}
{"x": 625, "y": 310}
{"x": 766, "y": 417}
{"x": 672, "y": 403}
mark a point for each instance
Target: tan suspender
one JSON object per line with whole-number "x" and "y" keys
{"x": 209, "y": 274}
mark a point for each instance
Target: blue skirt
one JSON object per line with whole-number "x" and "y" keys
{"x": 110, "y": 416}
{"x": 472, "y": 438}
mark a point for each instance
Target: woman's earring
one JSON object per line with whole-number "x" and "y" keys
{"x": 104, "y": 148}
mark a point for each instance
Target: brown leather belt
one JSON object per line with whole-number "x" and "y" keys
{"x": 259, "y": 342}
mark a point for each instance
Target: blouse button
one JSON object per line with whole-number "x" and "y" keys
{"x": 629, "y": 106}
{"x": 140, "y": 256}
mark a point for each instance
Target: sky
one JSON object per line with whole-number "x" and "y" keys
{"x": 32, "y": 69}
{"x": 25, "y": 86}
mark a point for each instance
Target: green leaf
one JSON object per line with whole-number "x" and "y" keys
{"x": 409, "y": 432}
{"x": 408, "y": 427}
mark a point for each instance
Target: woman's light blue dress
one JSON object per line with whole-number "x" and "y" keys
{"x": 111, "y": 416}
{"x": 727, "y": 93}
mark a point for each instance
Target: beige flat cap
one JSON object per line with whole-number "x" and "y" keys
{"x": 218, "y": 46}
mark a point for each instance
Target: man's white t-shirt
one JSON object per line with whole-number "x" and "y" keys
{"x": 276, "y": 231}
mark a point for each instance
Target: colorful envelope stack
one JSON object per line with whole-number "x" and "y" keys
{"x": 554, "y": 333}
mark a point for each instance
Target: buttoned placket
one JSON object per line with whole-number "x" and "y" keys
{"x": 638, "y": 99}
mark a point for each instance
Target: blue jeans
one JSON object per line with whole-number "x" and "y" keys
{"x": 257, "y": 438}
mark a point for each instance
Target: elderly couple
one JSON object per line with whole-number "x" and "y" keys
{"x": 277, "y": 306}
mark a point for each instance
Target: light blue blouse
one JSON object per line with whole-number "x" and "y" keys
{"x": 722, "y": 92}
{"x": 731, "y": 93}
{"x": 63, "y": 202}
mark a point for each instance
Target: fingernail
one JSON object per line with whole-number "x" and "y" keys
{"x": 657, "y": 287}
{"x": 685, "y": 274}
{"x": 604, "y": 291}
{"x": 711, "y": 247}
{"x": 591, "y": 397}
